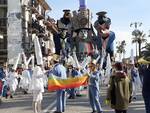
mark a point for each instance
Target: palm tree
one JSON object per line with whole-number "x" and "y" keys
{"x": 139, "y": 38}
{"x": 121, "y": 48}
{"x": 146, "y": 51}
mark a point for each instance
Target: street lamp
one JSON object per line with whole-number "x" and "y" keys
{"x": 136, "y": 32}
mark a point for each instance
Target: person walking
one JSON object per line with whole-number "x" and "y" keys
{"x": 60, "y": 71}
{"x": 25, "y": 80}
{"x": 37, "y": 88}
{"x": 119, "y": 90}
{"x": 146, "y": 88}
{"x": 12, "y": 82}
{"x": 136, "y": 83}
{"x": 94, "y": 92}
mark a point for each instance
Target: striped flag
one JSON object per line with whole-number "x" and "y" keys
{"x": 55, "y": 83}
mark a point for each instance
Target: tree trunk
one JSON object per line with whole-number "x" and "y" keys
{"x": 123, "y": 55}
{"x": 136, "y": 51}
{"x": 139, "y": 50}
{"x": 120, "y": 54}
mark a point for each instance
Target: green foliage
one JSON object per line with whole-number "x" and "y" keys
{"x": 121, "y": 47}
{"x": 146, "y": 51}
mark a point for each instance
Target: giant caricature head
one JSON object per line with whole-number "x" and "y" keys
{"x": 101, "y": 17}
{"x": 67, "y": 13}
{"x": 102, "y": 24}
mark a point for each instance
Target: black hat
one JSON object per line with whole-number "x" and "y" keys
{"x": 79, "y": 29}
{"x": 101, "y": 13}
{"x": 66, "y": 10}
{"x": 101, "y": 17}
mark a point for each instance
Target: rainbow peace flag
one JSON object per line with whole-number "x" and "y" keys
{"x": 56, "y": 83}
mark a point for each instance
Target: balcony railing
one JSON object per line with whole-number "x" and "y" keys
{"x": 3, "y": 22}
{"x": 3, "y": 2}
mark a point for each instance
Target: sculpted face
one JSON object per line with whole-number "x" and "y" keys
{"x": 67, "y": 15}
{"x": 103, "y": 30}
{"x": 83, "y": 33}
{"x": 102, "y": 27}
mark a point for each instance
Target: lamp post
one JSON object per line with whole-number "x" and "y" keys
{"x": 136, "y": 32}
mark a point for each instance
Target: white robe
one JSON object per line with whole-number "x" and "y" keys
{"x": 12, "y": 81}
{"x": 25, "y": 79}
{"x": 37, "y": 83}
{"x": 45, "y": 80}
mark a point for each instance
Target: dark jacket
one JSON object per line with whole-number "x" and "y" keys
{"x": 146, "y": 81}
{"x": 120, "y": 90}
{"x": 2, "y": 73}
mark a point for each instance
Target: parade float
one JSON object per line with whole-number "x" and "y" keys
{"x": 81, "y": 27}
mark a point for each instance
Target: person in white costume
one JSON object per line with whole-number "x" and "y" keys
{"x": 136, "y": 83}
{"x": 37, "y": 88}
{"x": 12, "y": 82}
{"x": 37, "y": 83}
{"x": 25, "y": 80}
{"x": 13, "y": 77}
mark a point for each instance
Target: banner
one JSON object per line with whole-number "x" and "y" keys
{"x": 57, "y": 83}
{"x": 38, "y": 52}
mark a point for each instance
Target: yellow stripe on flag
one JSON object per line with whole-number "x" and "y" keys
{"x": 56, "y": 83}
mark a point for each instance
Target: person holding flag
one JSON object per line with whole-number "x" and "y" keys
{"x": 74, "y": 72}
{"x": 59, "y": 71}
{"x": 94, "y": 91}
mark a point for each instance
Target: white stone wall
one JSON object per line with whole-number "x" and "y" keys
{"x": 14, "y": 30}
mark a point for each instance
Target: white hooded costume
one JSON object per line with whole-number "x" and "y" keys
{"x": 12, "y": 76}
{"x": 12, "y": 81}
{"x": 25, "y": 79}
{"x": 37, "y": 84}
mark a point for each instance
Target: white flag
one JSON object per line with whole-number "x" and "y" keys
{"x": 16, "y": 63}
{"x": 76, "y": 60}
{"x": 38, "y": 52}
{"x": 85, "y": 62}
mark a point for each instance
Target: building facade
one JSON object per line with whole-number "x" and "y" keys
{"x": 3, "y": 31}
{"x": 19, "y": 20}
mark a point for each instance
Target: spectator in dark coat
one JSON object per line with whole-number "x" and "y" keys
{"x": 146, "y": 88}
{"x": 119, "y": 90}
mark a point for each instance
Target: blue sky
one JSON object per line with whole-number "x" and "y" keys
{"x": 121, "y": 12}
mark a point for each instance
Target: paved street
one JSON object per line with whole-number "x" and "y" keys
{"x": 23, "y": 104}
